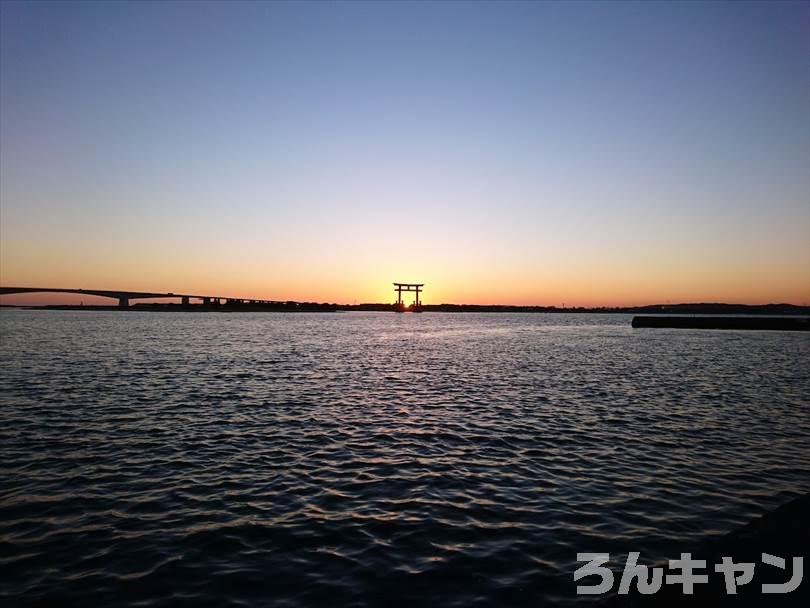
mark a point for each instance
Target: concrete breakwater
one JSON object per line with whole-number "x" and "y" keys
{"x": 723, "y": 322}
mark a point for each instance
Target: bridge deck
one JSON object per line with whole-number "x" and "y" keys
{"x": 123, "y": 297}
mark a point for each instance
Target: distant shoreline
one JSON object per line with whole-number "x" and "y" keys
{"x": 683, "y": 309}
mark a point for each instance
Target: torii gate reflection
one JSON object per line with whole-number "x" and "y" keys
{"x": 400, "y": 287}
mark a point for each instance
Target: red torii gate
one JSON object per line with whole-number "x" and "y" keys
{"x": 400, "y": 287}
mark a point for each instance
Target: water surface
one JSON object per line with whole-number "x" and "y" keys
{"x": 374, "y": 458}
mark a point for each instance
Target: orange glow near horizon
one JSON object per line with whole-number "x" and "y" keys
{"x": 469, "y": 259}
{"x": 602, "y": 287}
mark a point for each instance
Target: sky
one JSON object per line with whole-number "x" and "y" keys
{"x": 509, "y": 153}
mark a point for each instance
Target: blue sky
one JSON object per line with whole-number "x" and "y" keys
{"x": 582, "y": 152}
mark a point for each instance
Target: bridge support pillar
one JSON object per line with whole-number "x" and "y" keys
{"x": 123, "y": 302}
{"x": 206, "y": 301}
{"x": 184, "y": 300}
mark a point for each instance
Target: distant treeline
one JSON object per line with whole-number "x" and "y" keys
{"x": 246, "y": 306}
{"x": 290, "y": 306}
{"x": 230, "y": 307}
{"x": 683, "y": 309}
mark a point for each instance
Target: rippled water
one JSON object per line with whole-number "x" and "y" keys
{"x": 336, "y": 459}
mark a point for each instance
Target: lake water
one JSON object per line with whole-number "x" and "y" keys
{"x": 356, "y": 459}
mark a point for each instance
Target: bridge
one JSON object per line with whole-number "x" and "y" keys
{"x": 124, "y": 297}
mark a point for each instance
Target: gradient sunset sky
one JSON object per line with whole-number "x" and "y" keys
{"x": 527, "y": 153}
